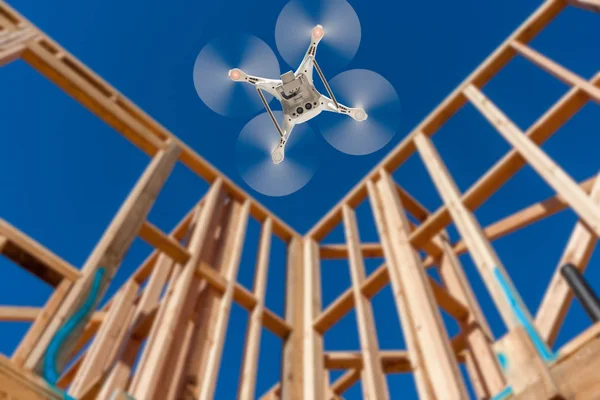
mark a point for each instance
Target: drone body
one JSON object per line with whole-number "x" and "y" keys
{"x": 300, "y": 100}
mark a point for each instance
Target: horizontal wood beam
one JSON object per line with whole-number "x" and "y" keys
{"x": 246, "y": 299}
{"x": 35, "y": 258}
{"x": 340, "y": 251}
{"x": 166, "y": 244}
{"x": 527, "y": 216}
{"x": 29, "y": 314}
{"x": 393, "y": 361}
{"x": 178, "y": 233}
{"x": 376, "y": 281}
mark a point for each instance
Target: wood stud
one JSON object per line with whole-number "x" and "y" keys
{"x": 176, "y": 306}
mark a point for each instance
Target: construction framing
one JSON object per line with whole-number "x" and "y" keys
{"x": 161, "y": 336}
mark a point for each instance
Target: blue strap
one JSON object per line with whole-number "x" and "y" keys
{"x": 532, "y": 332}
{"x": 504, "y": 394}
{"x": 50, "y": 373}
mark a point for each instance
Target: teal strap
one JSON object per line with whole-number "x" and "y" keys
{"x": 504, "y": 394}
{"x": 532, "y": 332}
{"x": 50, "y": 373}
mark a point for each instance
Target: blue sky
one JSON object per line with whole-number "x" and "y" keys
{"x": 65, "y": 173}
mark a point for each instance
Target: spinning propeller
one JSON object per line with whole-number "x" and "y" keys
{"x": 253, "y": 155}
{"x": 215, "y": 87}
{"x": 372, "y": 92}
{"x": 342, "y": 32}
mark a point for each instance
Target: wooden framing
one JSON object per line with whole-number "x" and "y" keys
{"x": 172, "y": 314}
{"x": 374, "y": 384}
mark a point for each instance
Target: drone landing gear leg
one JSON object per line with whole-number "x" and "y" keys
{"x": 268, "y": 85}
{"x": 279, "y": 153}
{"x": 330, "y": 105}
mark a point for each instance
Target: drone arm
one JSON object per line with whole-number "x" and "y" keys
{"x": 279, "y": 152}
{"x": 309, "y": 61}
{"x": 268, "y": 85}
{"x": 332, "y": 105}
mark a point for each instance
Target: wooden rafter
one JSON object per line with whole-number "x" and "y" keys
{"x": 179, "y": 299}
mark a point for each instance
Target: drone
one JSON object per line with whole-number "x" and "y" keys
{"x": 300, "y": 100}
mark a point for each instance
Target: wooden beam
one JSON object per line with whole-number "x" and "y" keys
{"x": 374, "y": 383}
{"x": 35, "y": 258}
{"x": 146, "y": 381}
{"x": 159, "y": 240}
{"x": 13, "y": 42}
{"x": 141, "y": 323}
{"x": 579, "y": 342}
{"x": 98, "y": 360}
{"x": 557, "y": 299}
{"x": 234, "y": 250}
{"x": 485, "y": 258}
{"x": 345, "y": 381}
{"x": 524, "y": 368}
{"x": 340, "y": 251}
{"x": 18, "y": 383}
{"x": 589, "y": 5}
{"x": 548, "y": 170}
{"x": 29, "y": 314}
{"x": 314, "y": 369}
{"x": 79, "y": 81}
{"x": 438, "y": 357}
{"x": 477, "y": 339}
{"x": 109, "y": 251}
{"x": 158, "y": 320}
{"x": 374, "y": 283}
{"x": 521, "y": 219}
{"x": 557, "y": 70}
{"x": 453, "y": 306}
{"x": 274, "y": 393}
{"x": 178, "y": 233}
{"x": 247, "y": 385}
{"x": 246, "y": 299}
{"x": 392, "y": 361}
{"x": 509, "y": 165}
{"x": 447, "y": 108}
{"x": 292, "y": 370}
{"x": 413, "y": 207}
{"x": 18, "y": 314}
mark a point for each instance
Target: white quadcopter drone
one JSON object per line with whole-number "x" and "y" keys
{"x": 297, "y": 94}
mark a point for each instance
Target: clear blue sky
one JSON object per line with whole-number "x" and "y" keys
{"x": 65, "y": 173}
